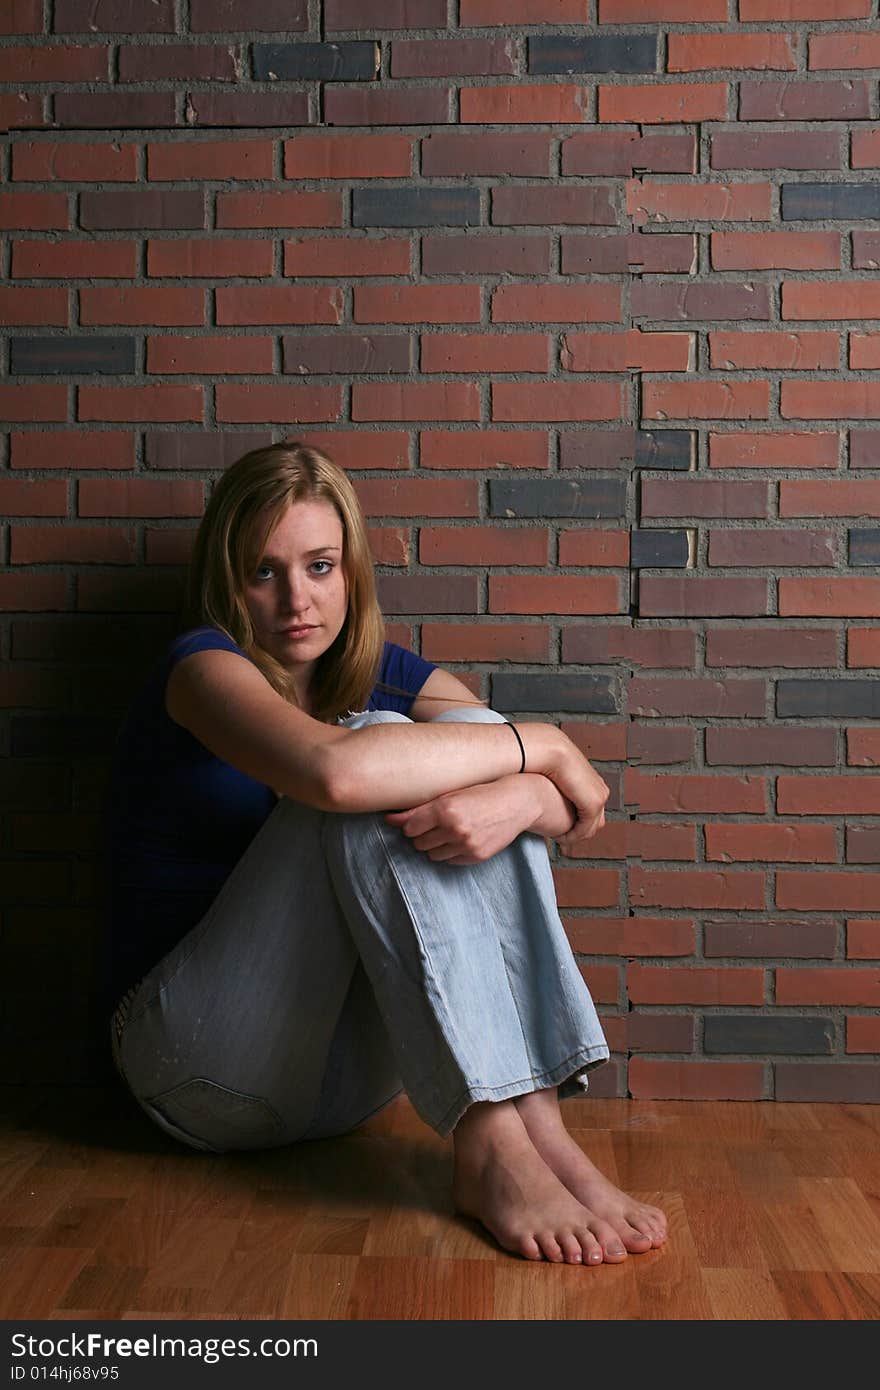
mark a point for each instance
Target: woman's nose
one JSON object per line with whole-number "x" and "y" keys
{"x": 295, "y": 594}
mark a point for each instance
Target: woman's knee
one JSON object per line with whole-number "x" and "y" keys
{"x": 470, "y": 714}
{"x": 375, "y": 716}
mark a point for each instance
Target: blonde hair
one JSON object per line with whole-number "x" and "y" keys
{"x": 245, "y": 506}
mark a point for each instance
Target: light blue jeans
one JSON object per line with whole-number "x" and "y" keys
{"x": 338, "y": 965}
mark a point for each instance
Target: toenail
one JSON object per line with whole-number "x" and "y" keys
{"x": 616, "y": 1250}
{"x": 596, "y": 1256}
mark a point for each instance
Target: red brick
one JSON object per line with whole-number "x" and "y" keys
{"x": 865, "y": 149}
{"x": 587, "y": 887}
{"x": 22, "y": 17}
{"x": 158, "y": 402}
{"x": 23, "y": 497}
{"x": 390, "y": 545}
{"x": 417, "y": 303}
{"x": 793, "y": 747}
{"x": 92, "y": 545}
{"x": 153, "y": 304}
{"x": 490, "y": 254}
{"x": 283, "y": 304}
{"x": 804, "y": 9}
{"x": 140, "y": 497}
{"x": 667, "y": 647}
{"x": 521, "y": 205}
{"x": 774, "y": 548}
{"x": 457, "y": 153}
{"x": 810, "y": 100}
{"x": 703, "y": 598}
{"x": 553, "y": 400}
{"x": 630, "y": 936}
{"x": 386, "y": 106}
{"x": 792, "y": 844}
{"x": 862, "y": 1034}
{"x": 247, "y": 108}
{"x": 556, "y": 104}
{"x": 837, "y": 497}
{"x": 482, "y": 545}
{"x": 384, "y": 14}
{"x": 54, "y": 63}
{"x": 33, "y": 306}
{"x": 31, "y": 212}
{"x": 485, "y": 352}
{"x": 548, "y": 303}
{"x": 706, "y": 400}
{"x": 75, "y": 162}
{"x": 631, "y": 350}
{"x": 842, "y": 50}
{"x": 213, "y": 258}
{"x": 277, "y": 402}
{"x": 362, "y": 449}
{"x": 773, "y": 450}
{"x": 604, "y": 742}
{"x": 776, "y": 149}
{"x": 18, "y": 110}
{"x": 668, "y": 984}
{"x": 733, "y": 890}
{"x": 453, "y": 57}
{"x": 623, "y": 151}
{"x": 348, "y": 156}
{"x": 109, "y": 16}
{"x": 843, "y": 892}
{"x": 656, "y": 792}
{"x": 211, "y": 159}
{"x": 697, "y": 202}
{"x": 106, "y": 110}
{"x": 839, "y": 299}
{"x": 772, "y": 250}
{"x": 210, "y": 355}
{"x": 651, "y": 697}
{"x": 863, "y": 747}
{"x": 859, "y": 795}
{"x": 33, "y": 593}
{"x": 668, "y": 1080}
{"x": 829, "y": 986}
{"x": 594, "y": 548}
{"x": 74, "y": 259}
{"x": 444, "y": 400}
{"x": 484, "y": 448}
{"x": 863, "y": 647}
{"x": 655, "y": 102}
{"x": 785, "y": 351}
{"x": 169, "y": 547}
{"x": 347, "y": 256}
{"x": 824, "y": 598}
{"x": 546, "y": 594}
{"x": 693, "y": 52}
{"x": 480, "y": 13}
{"x": 126, "y": 591}
{"x": 864, "y": 350}
{"x": 270, "y": 16}
{"x": 485, "y": 641}
{"x": 417, "y": 497}
{"x": 38, "y": 402}
{"x": 679, "y": 11}
{"x": 615, "y": 255}
{"x": 71, "y": 449}
{"x": 830, "y": 400}
{"x": 190, "y": 62}
{"x": 863, "y": 940}
{"x": 288, "y": 209}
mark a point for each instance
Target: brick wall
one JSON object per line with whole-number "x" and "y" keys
{"x": 583, "y": 293}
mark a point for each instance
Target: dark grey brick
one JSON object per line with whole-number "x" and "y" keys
{"x": 58, "y": 355}
{"x": 66, "y": 737}
{"x": 415, "y": 207}
{"x": 864, "y": 546}
{"x": 665, "y": 449}
{"x": 773, "y": 938}
{"x": 605, "y": 53}
{"x": 145, "y": 208}
{"x": 347, "y": 352}
{"x": 200, "y": 449}
{"x": 328, "y": 62}
{"x": 806, "y": 202}
{"x": 850, "y": 1083}
{"x": 596, "y": 448}
{"x": 584, "y": 694}
{"x": 856, "y": 699}
{"x": 427, "y": 593}
{"x": 672, "y": 300}
{"x": 581, "y": 497}
{"x": 654, "y": 548}
{"x": 746, "y": 1033}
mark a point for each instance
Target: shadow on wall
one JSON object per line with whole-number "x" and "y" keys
{"x": 86, "y": 667}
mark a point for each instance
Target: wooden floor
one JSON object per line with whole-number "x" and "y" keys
{"x": 774, "y": 1212}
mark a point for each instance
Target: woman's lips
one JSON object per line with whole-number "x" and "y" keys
{"x": 297, "y": 631}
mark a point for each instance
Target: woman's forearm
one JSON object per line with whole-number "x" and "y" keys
{"x": 555, "y": 814}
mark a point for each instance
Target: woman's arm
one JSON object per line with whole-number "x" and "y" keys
{"x": 229, "y": 706}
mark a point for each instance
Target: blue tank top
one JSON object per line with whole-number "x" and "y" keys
{"x": 180, "y": 818}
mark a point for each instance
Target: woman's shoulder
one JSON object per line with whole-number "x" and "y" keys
{"x": 200, "y": 639}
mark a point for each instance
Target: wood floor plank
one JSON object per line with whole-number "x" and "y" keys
{"x": 533, "y": 1290}
{"x": 850, "y": 1228}
{"x": 748, "y": 1295}
{"x": 724, "y": 1229}
{"x": 37, "y": 1279}
{"x": 318, "y": 1286}
{"x": 825, "y": 1295}
{"x": 405, "y": 1287}
{"x": 669, "y": 1281}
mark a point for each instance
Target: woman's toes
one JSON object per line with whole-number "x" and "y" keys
{"x": 571, "y": 1248}
{"x": 634, "y": 1239}
{"x": 592, "y": 1250}
{"x": 551, "y": 1248}
{"x": 530, "y": 1249}
{"x": 613, "y": 1248}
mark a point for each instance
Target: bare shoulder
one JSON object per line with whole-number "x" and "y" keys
{"x": 210, "y": 676}
{"x": 441, "y": 691}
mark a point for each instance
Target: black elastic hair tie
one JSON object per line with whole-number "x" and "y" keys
{"x": 522, "y": 747}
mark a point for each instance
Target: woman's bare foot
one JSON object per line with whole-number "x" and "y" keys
{"x": 501, "y": 1180}
{"x": 639, "y": 1226}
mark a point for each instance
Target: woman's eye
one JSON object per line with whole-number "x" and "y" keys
{"x": 327, "y": 566}
{"x": 263, "y": 572}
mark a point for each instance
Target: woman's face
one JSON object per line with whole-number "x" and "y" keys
{"x": 297, "y": 593}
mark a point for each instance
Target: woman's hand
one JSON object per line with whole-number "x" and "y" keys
{"x": 469, "y": 826}
{"x": 580, "y": 784}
